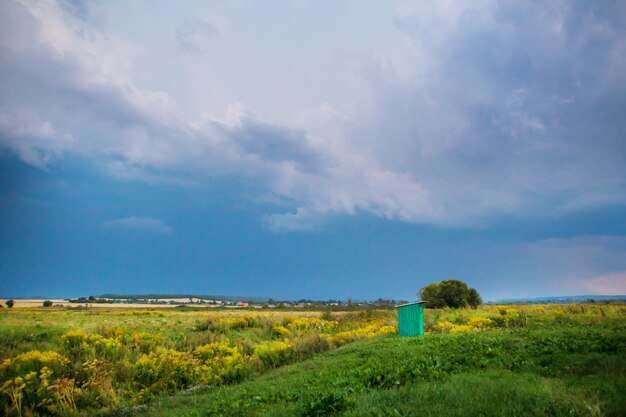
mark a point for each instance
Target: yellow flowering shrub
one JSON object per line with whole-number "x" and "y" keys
{"x": 210, "y": 351}
{"x": 444, "y": 326}
{"x": 144, "y": 342}
{"x": 114, "y": 332}
{"x": 229, "y": 369}
{"x": 224, "y": 363}
{"x": 375, "y": 328}
{"x": 165, "y": 369}
{"x": 304, "y": 323}
{"x": 449, "y": 327}
{"x": 461, "y": 328}
{"x": 480, "y": 322}
{"x": 504, "y": 310}
{"x": 273, "y": 354}
{"x": 312, "y": 323}
{"x": 75, "y": 343}
{"x": 34, "y": 360}
{"x": 279, "y": 330}
{"x": 239, "y": 322}
{"x": 342, "y": 338}
{"x": 29, "y": 383}
{"x": 74, "y": 339}
{"x": 105, "y": 346}
{"x": 387, "y": 329}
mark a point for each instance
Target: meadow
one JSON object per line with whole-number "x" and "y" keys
{"x": 494, "y": 360}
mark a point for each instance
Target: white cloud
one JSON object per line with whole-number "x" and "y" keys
{"x": 467, "y": 111}
{"x": 300, "y": 221}
{"x": 139, "y": 224}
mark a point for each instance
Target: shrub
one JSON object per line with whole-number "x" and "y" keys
{"x": 480, "y": 322}
{"x": 144, "y": 342}
{"x": 450, "y": 293}
{"x": 210, "y": 351}
{"x": 311, "y": 344}
{"x": 240, "y": 322}
{"x": 75, "y": 343}
{"x": 47, "y": 303}
{"x": 280, "y": 331}
{"x": 34, "y": 361}
{"x": 225, "y": 363}
{"x": 106, "y": 347}
{"x": 165, "y": 369}
{"x": 30, "y": 384}
{"x": 273, "y": 354}
{"x": 448, "y": 327}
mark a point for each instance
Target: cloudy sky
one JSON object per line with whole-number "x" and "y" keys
{"x": 312, "y": 149}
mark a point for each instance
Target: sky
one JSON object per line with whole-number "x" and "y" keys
{"x": 308, "y": 149}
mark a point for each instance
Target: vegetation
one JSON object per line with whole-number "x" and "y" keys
{"x": 63, "y": 361}
{"x": 47, "y": 303}
{"x": 451, "y": 293}
{"x": 522, "y": 360}
{"x": 10, "y": 303}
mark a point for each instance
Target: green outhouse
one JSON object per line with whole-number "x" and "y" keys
{"x": 411, "y": 319}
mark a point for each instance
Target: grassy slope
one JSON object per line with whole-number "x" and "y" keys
{"x": 564, "y": 370}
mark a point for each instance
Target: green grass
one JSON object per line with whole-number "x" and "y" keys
{"x": 522, "y": 361}
{"x": 563, "y": 370}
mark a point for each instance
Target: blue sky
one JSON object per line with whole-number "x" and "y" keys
{"x": 312, "y": 149}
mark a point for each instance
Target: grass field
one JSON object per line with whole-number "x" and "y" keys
{"x": 496, "y": 360}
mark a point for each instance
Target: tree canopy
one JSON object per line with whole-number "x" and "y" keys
{"x": 450, "y": 293}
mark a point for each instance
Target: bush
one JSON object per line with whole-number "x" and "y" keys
{"x": 47, "y": 303}
{"x": 310, "y": 344}
{"x": 165, "y": 370}
{"x": 273, "y": 354}
{"x": 75, "y": 342}
{"x": 29, "y": 383}
{"x": 451, "y": 293}
{"x": 225, "y": 363}
{"x": 33, "y": 361}
{"x": 280, "y": 331}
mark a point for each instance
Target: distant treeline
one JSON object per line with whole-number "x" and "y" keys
{"x": 157, "y": 298}
{"x": 234, "y": 298}
{"x": 575, "y": 299}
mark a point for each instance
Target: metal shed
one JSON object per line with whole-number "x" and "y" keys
{"x": 411, "y": 319}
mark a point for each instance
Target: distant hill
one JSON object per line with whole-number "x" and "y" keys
{"x": 567, "y": 299}
{"x": 232, "y": 298}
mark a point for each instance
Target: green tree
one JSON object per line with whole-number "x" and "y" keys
{"x": 450, "y": 293}
{"x": 10, "y": 303}
{"x": 430, "y": 294}
{"x": 454, "y": 293}
{"x": 47, "y": 303}
{"x": 474, "y": 299}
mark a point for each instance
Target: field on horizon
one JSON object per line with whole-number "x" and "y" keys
{"x": 494, "y": 360}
